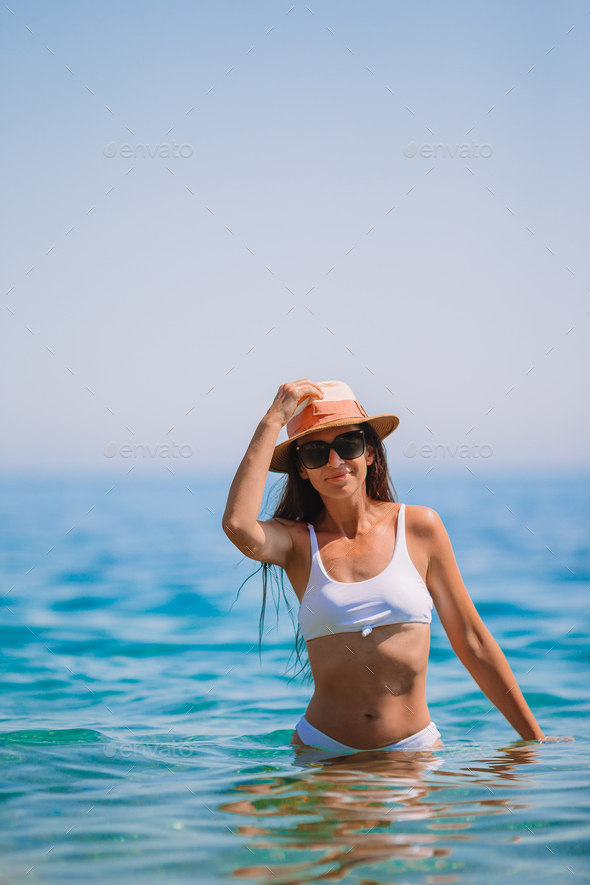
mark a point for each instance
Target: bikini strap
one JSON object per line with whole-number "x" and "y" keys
{"x": 314, "y": 541}
{"x": 315, "y": 572}
{"x": 400, "y": 541}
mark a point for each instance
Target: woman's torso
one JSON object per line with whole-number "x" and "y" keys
{"x": 369, "y": 690}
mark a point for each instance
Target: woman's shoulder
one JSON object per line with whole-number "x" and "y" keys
{"x": 422, "y": 520}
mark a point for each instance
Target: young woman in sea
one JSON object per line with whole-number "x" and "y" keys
{"x": 366, "y": 572}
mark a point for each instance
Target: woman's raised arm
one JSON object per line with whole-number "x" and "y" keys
{"x": 268, "y": 541}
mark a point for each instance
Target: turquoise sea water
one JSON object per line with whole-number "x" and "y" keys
{"x": 143, "y": 741}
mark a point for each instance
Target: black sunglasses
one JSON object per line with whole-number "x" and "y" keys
{"x": 348, "y": 446}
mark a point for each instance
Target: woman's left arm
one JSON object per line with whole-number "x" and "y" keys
{"x": 470, "y": 639}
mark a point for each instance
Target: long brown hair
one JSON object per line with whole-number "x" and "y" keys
{"x": 299, "y": 501}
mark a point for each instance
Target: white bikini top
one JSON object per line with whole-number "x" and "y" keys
{"x": 396, "y": 596}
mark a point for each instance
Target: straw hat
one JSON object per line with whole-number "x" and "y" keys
{"x": 338, "y": 408}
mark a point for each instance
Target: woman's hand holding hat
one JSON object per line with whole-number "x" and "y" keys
{"x": 290, "y": 395}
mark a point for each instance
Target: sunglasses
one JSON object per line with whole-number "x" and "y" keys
{"x": 348, "y": 446}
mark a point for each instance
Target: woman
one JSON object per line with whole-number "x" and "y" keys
{"x": 366, "y": 572}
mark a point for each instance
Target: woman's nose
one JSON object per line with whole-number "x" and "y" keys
{"x": 334, "y": 460}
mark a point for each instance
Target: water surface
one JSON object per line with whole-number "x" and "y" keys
{"x": 142, "y": 739}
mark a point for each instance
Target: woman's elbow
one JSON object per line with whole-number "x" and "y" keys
{"x": 232, "y": 529}
{"x": 475, "y": 642}
{"x": 242, "y": 537}
{"x": 466, "y": 635}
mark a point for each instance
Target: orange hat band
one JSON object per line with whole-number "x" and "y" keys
{"x": 319, "y": 412}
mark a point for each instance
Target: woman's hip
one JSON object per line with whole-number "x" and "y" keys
{"x": 427, "y": 738}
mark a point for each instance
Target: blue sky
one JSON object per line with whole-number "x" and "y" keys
{"x": 144, "y": 294}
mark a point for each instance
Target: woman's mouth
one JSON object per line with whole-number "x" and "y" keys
{"x": 336, "y": 477}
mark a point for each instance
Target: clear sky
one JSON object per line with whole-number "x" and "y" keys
{"x": 293, "y": 237}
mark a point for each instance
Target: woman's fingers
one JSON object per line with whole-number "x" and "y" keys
{"x": 306, "y": 388}
{"x": 568, "y": 738}
{"x": 302, "y": 388}
{"x": 290, "y": 394}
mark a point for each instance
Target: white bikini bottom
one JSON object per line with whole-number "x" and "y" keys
{"x": 313, "y": 737}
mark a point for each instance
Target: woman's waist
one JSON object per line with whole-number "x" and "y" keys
{"x": 370, "y": 699}
{"x": 372, "y": 685}
{"x": 368, "y": 721}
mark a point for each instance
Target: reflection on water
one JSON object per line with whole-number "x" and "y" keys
{"x": 381, "y": 807}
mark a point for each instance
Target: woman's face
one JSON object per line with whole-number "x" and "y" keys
{"x": 337, "y": 478}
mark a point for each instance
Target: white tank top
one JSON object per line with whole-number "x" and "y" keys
{"x": 396, "y": 596}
